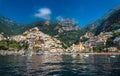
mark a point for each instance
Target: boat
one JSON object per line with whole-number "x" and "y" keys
{"x": 39, "y": 54}
{"x": 86, "y": 55}
{"x": 112, "y": 56}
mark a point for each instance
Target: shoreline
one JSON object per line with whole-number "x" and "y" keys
{"x": 104, "y": 53}
{"x": 7, "y": 52}
{"x": 22, "y": 52}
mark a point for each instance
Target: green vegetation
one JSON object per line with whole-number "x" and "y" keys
{"x": 84, "y": 39}
{"x": 109, "y": 42}
{"x": 100, "y": 48}
{"x": 5, "y": 29}
{"x": 10, "y": 27}
{"x": 109, "y": 24}
{"x": 113, "y": 27}
{"x": 36, "y": 49}
{"x": 69, "y": 37}
{"x": 12, "y": 45}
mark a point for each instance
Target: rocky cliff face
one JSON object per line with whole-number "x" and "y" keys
{"x": 67, "y": 25}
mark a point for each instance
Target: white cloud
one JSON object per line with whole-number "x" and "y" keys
{"x": 43, "y": 13}
{"x": 59, "y": 18}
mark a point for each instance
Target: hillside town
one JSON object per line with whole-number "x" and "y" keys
{"x": 39, "y": 42}
{"x": 97, "y": 41}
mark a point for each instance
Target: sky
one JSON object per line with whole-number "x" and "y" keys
{"x": 28, "y": 11}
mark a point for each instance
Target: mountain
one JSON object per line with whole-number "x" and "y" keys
{"x": 8, "y": 26}
{"x": 103, "y": 35}
{"x": 103, "y": 32}
{"x": 104, "y": 22}
{"x": 66, "y": 31}
{"x": 111, "y": 22}
{"x": 5, "y": 29}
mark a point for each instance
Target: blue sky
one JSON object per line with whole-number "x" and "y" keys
{"x": 28, "y": 11}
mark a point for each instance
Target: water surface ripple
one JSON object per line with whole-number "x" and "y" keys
{"x": 60, "y": 65}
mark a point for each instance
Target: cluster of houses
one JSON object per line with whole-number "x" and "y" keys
{"x": 37, "y": 40}
{"x": 18, "y": 38}
{"x": 94, "y": 41}
{"x": 2, "y": 37}
{"x": 98, "y": 40}
{"x": 78, "y": 47}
